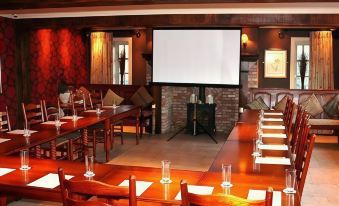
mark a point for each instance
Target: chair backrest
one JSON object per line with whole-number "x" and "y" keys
{"x": 5, "y": 123}
{"x": 96, "y": 98}
{"x": 299, "y": 126}
{"x": 223, "y": 200}
{"x": 50, "y": 112}
{"x": 289, "y": 118}
{"x": 78, "y": 101}
{"x": 303, "y": 159}
{"x": 33, "y": 113}
{"x": 287, "y": 107}
{"x": 77, "y": 191}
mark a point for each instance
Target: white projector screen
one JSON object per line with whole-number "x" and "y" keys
{"x": 196, "y": 56}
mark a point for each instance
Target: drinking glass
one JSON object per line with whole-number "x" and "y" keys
{"x": 166, "y": 177}
{"x": 256, "y": 150}
{"x": 24, "y": 157}
{"x": 226, "y": 171}
{"x": 98, "y": 111}
{"x": 290, "y": 181}
{"x": 57, "y": 121}
{"x": 89, "y": 159}
{"x": 27, "y": 132}
{"x": 114, "y": 105}
{"x": 75, "y": 117}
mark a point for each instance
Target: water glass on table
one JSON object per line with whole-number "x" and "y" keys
{"x": 290, "y": 181}
{"x": 75, "y": 116}
{"x": 27, "y": 132}
{"x": 24, "y": 158}
{"x": 98, "y": 110}
{"x": 256, "y": 149}
{"x": 226, "y": 172}
{"x": 89, "y": 163}
{"x": 165, "y": 171}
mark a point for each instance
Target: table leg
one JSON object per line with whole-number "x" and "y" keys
{"x": 85, "y": 141}
{"x": 38, "y": 152}
{"x": 137, "y": 125}
{"x": 107, "y": 130}
{"x": 3, "y": 200}
{"x": 53, "y": 150}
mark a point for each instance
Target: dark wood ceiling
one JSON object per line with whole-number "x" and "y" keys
{"x": 40, "y": 4}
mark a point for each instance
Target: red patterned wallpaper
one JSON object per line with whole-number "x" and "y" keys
{"x": 7, "y": 54}
{"x": 56, "y": 55}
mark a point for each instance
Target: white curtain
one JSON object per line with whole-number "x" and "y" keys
{"x": 101, "y": 58}
{"x": 321, "y": 61}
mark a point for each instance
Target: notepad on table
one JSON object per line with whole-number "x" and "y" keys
{"x": 52, "y": 123}
{"x": 272, "y": 119}
{"x": 4, "y": 171}
{"x": 4, "y": 140}
{"x": 195, "y": 189}
{"x": 274, "y": 135}
{"x": 273, "y": 147}
{"x": 261, "y": 195}
{"x": 273, "y": 127}
{"x": 273, "y": 160}
{"x": 273, "y": 113}
{"x": 49, "y": 181}
{"x": 141, "y": 186}
{"x": 71, "y": 117}
{"x": 93, "y": 110}
{"x": 20, "y": 131}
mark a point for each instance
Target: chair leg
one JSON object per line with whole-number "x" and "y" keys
{"x": 3, "y": 200}
{"x": 122, "y": 133}
{"x": 94, "y": 143}
{"x": 70, "y": 149}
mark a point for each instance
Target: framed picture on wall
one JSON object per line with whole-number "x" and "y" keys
{"x": 275, "y": 64}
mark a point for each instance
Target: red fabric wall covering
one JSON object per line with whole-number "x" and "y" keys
{"x": 7, "y": 54}
{"x": 56, "y": 55}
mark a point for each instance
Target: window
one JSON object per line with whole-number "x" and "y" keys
{"x": 299, "y": 46}
{"x": 121, "y": 45}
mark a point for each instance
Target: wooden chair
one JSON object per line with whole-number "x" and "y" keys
{"x": 222, "y": 200}
{"x": 33, "y": 113}
{"x": 289, "y": 118}
{"x": 78, "y": 192}
{"x": 95, "y": 98}
{"x": 5, "y": 123}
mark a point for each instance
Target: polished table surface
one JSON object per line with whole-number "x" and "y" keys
{"x": 47, "y": 133}
{"x": 237, "y": 151}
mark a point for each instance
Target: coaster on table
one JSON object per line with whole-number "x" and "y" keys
{"x": 273, "y": 113}
{"x": 273, "y": 127}
{"x": 261, "y": 195}
{"x": 71, "y": 117}
{"x": 273, "y": 147}
{"x": 195, "y": 189}
{"x": 49, "y": 181}
{"x": 4, "y": 171}
{"x": 21, "y": 131}
{"x": 272, "y": 119}
{"x": 273, "y": 160}
{"x": 52, "y": 123}
{"x": 141, "y": 186}
{"x": 274, "y": 135}
{"x": 4, "y": 140}
{"x": 93, "y": 110}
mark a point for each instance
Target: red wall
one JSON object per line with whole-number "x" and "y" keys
{"x": 7, "y": 54}
{"x": 56, "y": 54}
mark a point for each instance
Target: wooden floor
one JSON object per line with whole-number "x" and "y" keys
{"x": 198, "y": 152}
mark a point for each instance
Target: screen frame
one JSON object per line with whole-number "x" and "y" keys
{"x": 197, "y": 84}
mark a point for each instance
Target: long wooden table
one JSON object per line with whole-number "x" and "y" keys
{"x": 49, "y": 133}
{"x": 237, "y": 150}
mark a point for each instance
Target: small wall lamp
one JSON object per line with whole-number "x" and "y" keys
{"x": 244, "y": 40}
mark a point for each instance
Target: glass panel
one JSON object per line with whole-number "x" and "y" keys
{"x": 121, "y": 48}
{"x": 299, "y": 51}
{"x": 307, "y": 51}
{"x": 298, "y": 83}
{"x": 126, "y": 66}
{"x": 306, "y": 82}
{"x": 298, "y": 68}
{"x": 307, "y": 73}
{"x": 126, "y": 51}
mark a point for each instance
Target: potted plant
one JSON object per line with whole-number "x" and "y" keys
{"x": 122, "y": 61}
{"x": 302, "y": 68}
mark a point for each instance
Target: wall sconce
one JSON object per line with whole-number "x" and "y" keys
{"x": 137, "y": 34}
{"x": 244, "y": 40}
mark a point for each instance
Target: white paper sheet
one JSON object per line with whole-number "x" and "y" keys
{"x": 71, "y": 117}
{"x": 4, "y": 171}
{"x": 93, "y": 110}
{"x": 273, "y": 147}
{"x": 4, "y": 140}
{"x": 274, "y": 135}
{"x": 273, "y": 127}
{"x": 273, "y": 160}
{"x": 52, "y": 123}
{"x": 272, "y": 119}
{"x": 49, "y": 181}
{"x": 261, "y": 194}
{"x": 141, "y": 186}
{"x": 273, "y": 113}
{"x": 195, "y": 189}
{"x": 20, "y": 131}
